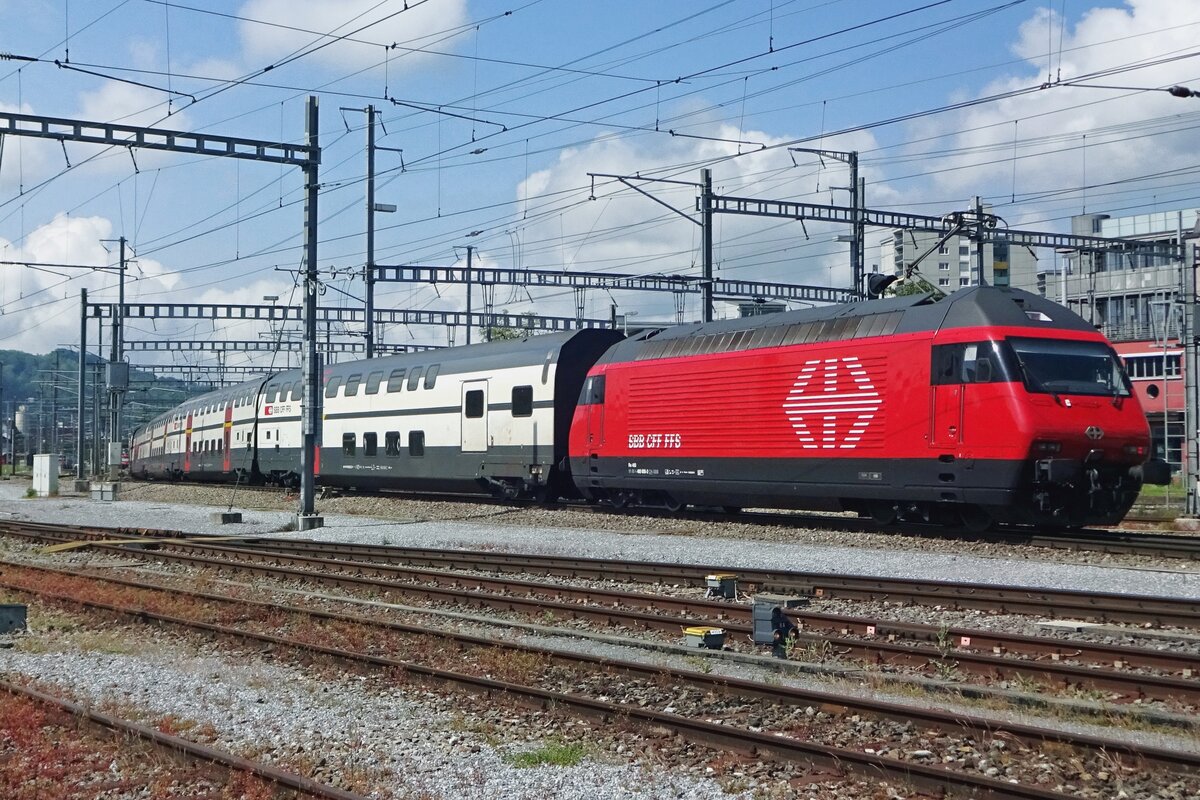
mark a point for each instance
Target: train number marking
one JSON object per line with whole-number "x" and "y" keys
{"x": 831, "y": 403}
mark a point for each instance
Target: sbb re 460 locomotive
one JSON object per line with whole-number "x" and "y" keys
{"x": 991, "y": 405}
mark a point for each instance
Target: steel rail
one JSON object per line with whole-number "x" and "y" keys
{"x": 188, "y": 748}
{"x": 949, "y": 638}
{"x": 1099, "y": 540}
{"x": 870, "y": 765}
{"x": 1053, "y": 603}
{"x": 607, "y": 609}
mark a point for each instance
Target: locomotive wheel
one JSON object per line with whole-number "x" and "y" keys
{"x": 976, "y": 519}
{"x": 884, "y": 513}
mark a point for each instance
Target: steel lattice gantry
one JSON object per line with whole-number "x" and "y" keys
{"x": 945, "y": 224}
{"x": 263, "y": 346}
{"x": 534, "y": 278}
{"x": 325, "y": 314}
{"x": 306, "y": 156}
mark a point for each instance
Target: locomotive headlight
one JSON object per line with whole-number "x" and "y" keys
{"x": 1046, "y": 447}
{"x": 1138, "y": 450}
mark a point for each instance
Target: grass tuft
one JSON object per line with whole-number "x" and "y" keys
{"x": 555, "y": 754}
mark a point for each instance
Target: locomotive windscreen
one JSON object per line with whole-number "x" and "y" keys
{"x": 1071, "y": 367}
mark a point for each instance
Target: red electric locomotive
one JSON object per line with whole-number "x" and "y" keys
{"x": 990, "y": 405}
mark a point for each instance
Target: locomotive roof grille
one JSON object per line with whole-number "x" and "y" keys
{"x": 980, "y": 306}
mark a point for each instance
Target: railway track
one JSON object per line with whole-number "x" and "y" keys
{"x": 1060, "y": 663}
{"x": 1174, "y": 546}
{"x": 693, "y": 723}
{"x": 181, "y": 746}
{"x": 1058, "y": 604}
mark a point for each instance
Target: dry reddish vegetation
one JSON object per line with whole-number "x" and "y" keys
{"x": 46, "y": 754}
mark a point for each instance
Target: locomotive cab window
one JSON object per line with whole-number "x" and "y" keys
{"x": 395, "y": 380}
{"x": 593, "y": 391}
{"x": 473, "y": 405}
{"x": 1060, "y": 366}
{"x": 347, "y": 444}
{"x": 970, "y": 362}
{"x": 522, "y": 401}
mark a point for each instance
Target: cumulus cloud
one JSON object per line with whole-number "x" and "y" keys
{"x": 39, "y": 306}
{"x": 607, "y": 234}
{"x": 1129, "y": 133}
{"x": 416, "y": 27}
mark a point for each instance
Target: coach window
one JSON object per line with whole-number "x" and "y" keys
{"x": 373, "y": 382}
{"x": 431, "y": 375}
{"x": 414, "y": 379}
{"x": 352, "y": 384}
{"x": 416, "y": 443}
{"x": 272, "y": 392}
{"x": 370, "y": 444}
{"x": 522, "y": 401}
{"x": 391, "y": 443}
{"x": 395, "y": 380}
{"x": 331, "y": 388}
{"x": 298, "y": 390}
{"x": 474, "y": 404}
{"x": 347, "y": 444}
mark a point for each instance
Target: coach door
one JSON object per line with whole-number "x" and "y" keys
{"x": 947, "y": 413}
{"x": 474, "y": 416}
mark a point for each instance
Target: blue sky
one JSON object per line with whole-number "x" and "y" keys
{"x": 502, "y": 108}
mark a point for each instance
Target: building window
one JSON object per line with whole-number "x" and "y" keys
{"x": 370, "y": 444}
{"x": 391, "y": 443}
{"x": 396, "y": 380}
{"x": 964, "y": 249}
{"x": 944, "y": 266}
{"x": 473, "y": 405}
{"x": 943, "y": 249}
{"x": 943, "y": 281}
{"x": 522, "y": 401}
{"x": 964, "y": 281}
{"x": 347, "y": 444}
{"x": 416, "y": 443}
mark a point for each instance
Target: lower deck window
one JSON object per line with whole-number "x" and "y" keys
{"x": 416, "y": 443}
{"x": 391, "y": 441}
{"x": 347, "y": 444}
{"x": 370, "y": 444}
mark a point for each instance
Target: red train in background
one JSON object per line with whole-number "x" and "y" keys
{"x": 988, "y": 406}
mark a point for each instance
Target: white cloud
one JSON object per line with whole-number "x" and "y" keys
{"x": 1051, "y": 124}
{"x": 415, "y": 27}
{"x": 607, "y": 234}
{"x": 39, "y": 307}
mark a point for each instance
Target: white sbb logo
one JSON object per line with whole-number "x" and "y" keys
{"x": 831, "y": 403}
